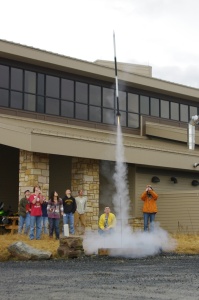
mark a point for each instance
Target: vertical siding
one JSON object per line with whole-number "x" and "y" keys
{"x": 179, "y": 211}
{"x": 178, "y": 204}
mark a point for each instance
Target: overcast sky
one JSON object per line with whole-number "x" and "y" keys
{"x": 159, "y": 33}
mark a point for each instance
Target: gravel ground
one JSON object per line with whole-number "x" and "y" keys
{"x": 98, "y": 277}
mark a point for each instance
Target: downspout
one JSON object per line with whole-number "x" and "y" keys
{"x": 191, "y": 132}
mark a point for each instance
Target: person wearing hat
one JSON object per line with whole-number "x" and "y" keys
{"x": 24, "y": 213}
{"x": 149, "y": 197}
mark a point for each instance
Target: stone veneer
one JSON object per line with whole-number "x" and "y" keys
{"x": 85, "y": 176}
{"x": 33, "y": 170}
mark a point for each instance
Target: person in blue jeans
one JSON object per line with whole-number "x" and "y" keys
{"x": 69, "y": 205}
{"x": 55, "y": 210}
{"x": 149, "y": 196}
{"x": 24, "y": 214}
{"x": 36, "y": 200}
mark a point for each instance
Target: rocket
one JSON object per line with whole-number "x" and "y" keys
{"x": 116, "y": 79}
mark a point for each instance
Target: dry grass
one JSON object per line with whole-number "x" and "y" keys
{"x": 44, "y": 244}
{"x": 186, "y": 244}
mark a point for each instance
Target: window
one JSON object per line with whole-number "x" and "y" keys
{"x": 52, "y": 106}
{"x": 16, "y": 100}
{"x": 16, "y": 79}
{"x": 4, "y": 76}
{"x": 133, "y": 120}
{"x": 95, "y": 113}
{"x": 40, "y": 104}
{"x": 95, "y": 95}
{"x": 4, "y": 98}
{"x": 183, "y": 113}
{"x": 81, "y": 111}
{"x": 193, "y": 111}
{"x": 155, "y": 107}
{"x": 174, "y": 111}
{"x": 108, "y": 98}
{"x": 122, "y": 101}
{"x": 81, "y": 92}
{"x": 67, "y": 89}
{"x": 108, "y": 116}
{"x": 164, "y": 109}
{"x": 144, "y": 105}
{"x": 40, "y": 84}
{"x": 123, "y": 118}
{"x": 133, "y": 103}
{"x": 30, "y": 102}
{"x": 52, "y": 86}
{"x": 30, "y": 82}
{"x": 67, "y": 109}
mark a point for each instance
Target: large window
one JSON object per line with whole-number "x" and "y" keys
{"x": 144, "y": 105}
{"x": 108, "y": 98}
{"x": 95, "y": 95}
{"x": 164, "y": 108}
{"x": 133, "y": 103}
{"x": 67, "y": 89}
{"x": 184, "y": 113}
{"x": 52, "y": 86}
{"x": 81, "y": 92}
{"x": 4, "y": 77}
{"x": 16, "y": 79}
{"x": 155, "y": 107}
{"x": 54, "y": 94}
{"x": 175, "y": 111}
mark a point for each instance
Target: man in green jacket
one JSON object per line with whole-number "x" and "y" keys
{"x": 24, "y": 213}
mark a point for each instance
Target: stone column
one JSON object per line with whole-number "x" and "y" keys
{"x": 85, "y": 176}
{"x": 33, "y": 170}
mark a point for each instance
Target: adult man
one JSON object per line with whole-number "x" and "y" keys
{"x": 107, "y": 221}
{"x": 36, "y": 199}
{"x": 69, "y": 206}
{"x": 24, "y": 215}
{"x": 81, "y": 202}
{"x": 149, "y": 197}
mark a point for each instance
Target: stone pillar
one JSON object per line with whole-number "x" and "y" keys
{"x": 33, "y": 170}
{"x": 85, "y": 176}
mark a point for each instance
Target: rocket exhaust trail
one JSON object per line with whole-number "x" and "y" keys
{"x": 116, "y": 79}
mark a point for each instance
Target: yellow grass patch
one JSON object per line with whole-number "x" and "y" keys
{"x": 44, "y": 244}
{"x": 186, "y": 244}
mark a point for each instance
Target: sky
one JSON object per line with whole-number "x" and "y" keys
{"x": 162, "y": 34}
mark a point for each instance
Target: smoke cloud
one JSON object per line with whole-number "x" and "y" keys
{"x": 125, "y": 242}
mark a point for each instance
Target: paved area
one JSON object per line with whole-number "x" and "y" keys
{"x": 99, "y": 277}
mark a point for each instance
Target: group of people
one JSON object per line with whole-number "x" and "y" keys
{"x": 35, "y": 212}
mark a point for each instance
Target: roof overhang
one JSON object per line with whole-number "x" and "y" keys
{"x": 63, "y": 139}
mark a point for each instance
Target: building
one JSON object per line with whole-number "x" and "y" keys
{"x": 58, "y": 129}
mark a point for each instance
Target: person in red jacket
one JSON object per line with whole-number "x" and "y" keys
{"x": 149, "y": 197}
{"x": 36, "y": 200}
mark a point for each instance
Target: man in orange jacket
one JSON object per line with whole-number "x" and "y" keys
{"x": 150, "y": 207}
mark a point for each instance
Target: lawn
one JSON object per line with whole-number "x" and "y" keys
{"x": 186, "y": 244}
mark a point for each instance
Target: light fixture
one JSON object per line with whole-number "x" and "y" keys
{"x": 174, "y": 179}
{"x": 155, "y": 179}
{"x": 195, "y": 165}
{"x": 195, "y": 182}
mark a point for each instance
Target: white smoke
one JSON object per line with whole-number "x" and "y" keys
{"x": 124, "y": 241}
